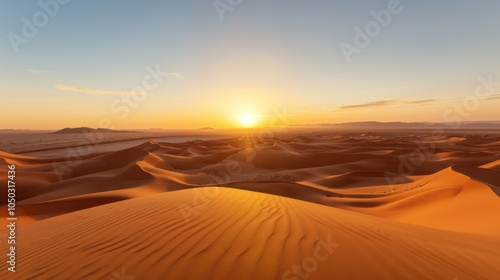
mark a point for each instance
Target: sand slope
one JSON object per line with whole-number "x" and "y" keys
{"x": 236, "y": 234}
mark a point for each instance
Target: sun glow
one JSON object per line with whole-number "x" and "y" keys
{"x": 247, "y": 119}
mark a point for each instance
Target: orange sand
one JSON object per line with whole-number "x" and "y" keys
{"x": 250, "y": 208}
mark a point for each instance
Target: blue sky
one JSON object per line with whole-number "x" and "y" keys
{"x": 263, "y": 55}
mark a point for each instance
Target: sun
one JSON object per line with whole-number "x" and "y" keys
{"x": 247, "y": 119}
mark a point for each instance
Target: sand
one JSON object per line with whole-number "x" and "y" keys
{"x": 310, "y": 206}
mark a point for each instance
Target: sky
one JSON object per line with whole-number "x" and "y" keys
{"x": 232, "y": 63}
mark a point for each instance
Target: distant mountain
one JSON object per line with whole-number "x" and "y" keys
{"x": 408, "y": 125}
{"x": 87, "y": 130}
{"x": 205, "y": 128}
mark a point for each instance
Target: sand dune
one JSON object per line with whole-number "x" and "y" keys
{"x": 238, "y": 234}
{"x": 399, "y": 207}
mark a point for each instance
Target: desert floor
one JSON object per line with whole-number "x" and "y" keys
{"x": 316, "y": 205}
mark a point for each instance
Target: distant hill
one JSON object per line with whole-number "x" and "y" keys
{"x": 408, "y": 125}
{"x": 87, "y": 130}
{"x": 206, "y": 128}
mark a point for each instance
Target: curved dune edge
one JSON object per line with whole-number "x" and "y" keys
{"x": 220, "y": 233}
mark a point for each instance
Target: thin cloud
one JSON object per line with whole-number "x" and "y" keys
{"x": 425, "y": 101}
{"x": 372, "y": 104}
{"x": 386, "y": 103}
{"x": 98, "y": 91}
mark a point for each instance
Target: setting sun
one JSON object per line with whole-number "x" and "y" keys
{"x": 247, "y": 119}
